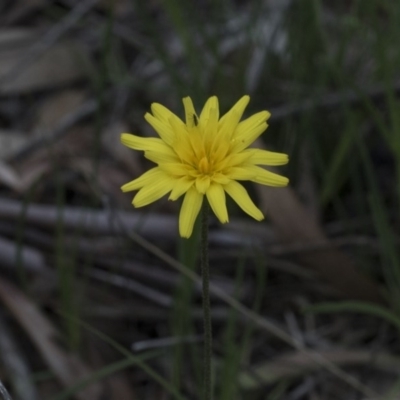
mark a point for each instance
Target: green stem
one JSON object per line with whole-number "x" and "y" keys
{"x": 205, "y": 272}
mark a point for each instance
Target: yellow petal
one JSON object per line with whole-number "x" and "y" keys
{"x": 242, "y": 198}
{"x": 143, "y": 180}
{"x": 252, "y": 122}
{"x": 216, "y": 198}
{"x": 196, "y": 142}
{"x": 162, "y": 113}
{"x": 178, "y": 127}
{"x": 167, "y": 155}
{"x": 220, "y": 178}
{"x": 181, "y": 186}
{"x": 182, "y": 145}
{"x": 241, "y": 173}
{"x": 234, "y": 160}
{"x": 268, "y": 178}
{"x": 211, "y": 103}
{"x": 238, "y": 108}
{"x": 176, "y": 169}
{"x": 141, "y": 143}
{"x": 184, "y": 150}
{"x": 153, "y": 191}
{"x": 190, "y": 113}
{"x": 265, "y": 157}
{"x": 203, "y": 183}
{"x": 245, "y": 139}
{"x": 190, "y": 209}
{"x": 210, "y": 129}
{"x": 227, "y": 131}
{"x": 219, "y": 149}
{"x": 166, "y": 117}
{"x": 164, "y": 129}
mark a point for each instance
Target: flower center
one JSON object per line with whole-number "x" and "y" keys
{"x": 204, "y": 166}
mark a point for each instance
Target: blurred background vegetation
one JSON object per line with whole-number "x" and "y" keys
{"x": 102, "y": 301}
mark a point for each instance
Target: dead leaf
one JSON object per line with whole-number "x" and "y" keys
{"x": 8, "y": 176}
{"x": 20, "y": 182}
{"x": 11, "y": 142}
{"x": 68, "y": 368}
{"x": 55, "y": 108}
{"x": 60, "y": 64}
{"x": 297, "y": 364}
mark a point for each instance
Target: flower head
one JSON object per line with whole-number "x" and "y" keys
{"x": 204, "y": 156}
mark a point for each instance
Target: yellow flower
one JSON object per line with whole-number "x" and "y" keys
{"x": 205, "y": 155}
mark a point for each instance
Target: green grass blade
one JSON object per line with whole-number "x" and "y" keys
{"x": 356, "y": 307}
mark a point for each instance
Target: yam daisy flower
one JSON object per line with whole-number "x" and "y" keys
{"x": 204, "y": 156}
